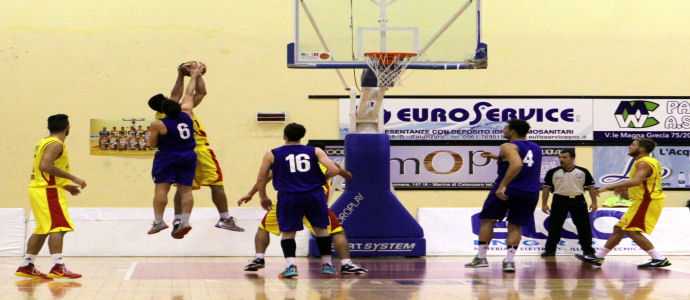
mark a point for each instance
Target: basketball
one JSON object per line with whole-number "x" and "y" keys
{"x": 183, "y": 68}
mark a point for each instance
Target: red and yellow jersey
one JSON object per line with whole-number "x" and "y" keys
{"x": 327, "y": 186}
{"x": 40, "y": 179}
{"x": 200, "y": 136}
{"x": 652, "y": 187}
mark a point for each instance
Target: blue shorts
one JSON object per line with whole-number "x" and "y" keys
{"x": 293, "y": 207}
{"x": 176, "y": 167}
{"x": 519, "y": 207}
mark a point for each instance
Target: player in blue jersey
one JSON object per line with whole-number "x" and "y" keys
{"x": 515, "y": 192}
{"x": 175, "y": 160}
{"x": 298, "y": 179}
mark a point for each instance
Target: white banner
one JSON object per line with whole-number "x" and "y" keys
{"x": 453, "y": 231}
{"x": 12, "y": 232}
{"x": 122, "y": 232}
{"x": 481, "y": 118}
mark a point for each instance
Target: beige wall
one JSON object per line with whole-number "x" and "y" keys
{"x": 103, "y": 59}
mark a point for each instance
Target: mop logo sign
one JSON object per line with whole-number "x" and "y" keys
{"x": 481, "y": 112}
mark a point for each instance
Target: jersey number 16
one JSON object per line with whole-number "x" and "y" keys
{"x": 299, "y": 163}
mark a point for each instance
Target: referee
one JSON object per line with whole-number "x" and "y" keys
{"x": 568, "y": 184}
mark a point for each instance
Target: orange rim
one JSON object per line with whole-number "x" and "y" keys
{"x": 388, "y": 58}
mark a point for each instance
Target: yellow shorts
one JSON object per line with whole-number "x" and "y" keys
{"x": 208, "y": 170}
{"x": 642, "y": 215}
{"x": 49, "y": 206}
{"x": 270, "y": 223}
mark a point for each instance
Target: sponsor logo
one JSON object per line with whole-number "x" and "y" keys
{"x": 636, "y": 114}
{"x": 350, "y": 207}
{"x": 481, "y": 112}
{"x": 382, "y": 247}
{"x": 623, "y": 175}
{"x": 474, "y": 161}
{"x": 530, "y": 231}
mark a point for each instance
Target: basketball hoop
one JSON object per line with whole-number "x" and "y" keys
{"x": 388, "y": 66}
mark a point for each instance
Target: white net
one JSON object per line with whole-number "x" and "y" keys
{"x": 388, "y": 66}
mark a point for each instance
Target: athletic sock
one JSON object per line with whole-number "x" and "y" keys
{"x": 224, "y": 215}
{"x": 57, "y": 258}
{"x": 324, "y": 243}
{"x": 656, "y": 254}
{"x": 178, "y": 216}
{"x": 185, "y": 219}
{"x": 602, "y": 252}
{"x": 28, "y": 259}
{"x": 289, "y": 247}
{"x": 345, "y": 261}
{"x": 510, "y": 254}
{"x": 260, "y": 255}
{"x": 483, "y": 247}
{"x": 290, "y": 261}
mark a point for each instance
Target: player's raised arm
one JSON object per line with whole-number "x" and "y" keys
{"x": 331, "y": 168}
{"x": 176, "y": 93}
{"x": 200, "y": 91}
{"x": 509, "y": 152}
{"x": 53, "y": 152}
{"x": 187, "y": 102}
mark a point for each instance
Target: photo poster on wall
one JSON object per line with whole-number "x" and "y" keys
{"x": 124, "y": 137}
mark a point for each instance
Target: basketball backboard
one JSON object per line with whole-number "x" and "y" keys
{"x": 335, "y": 34}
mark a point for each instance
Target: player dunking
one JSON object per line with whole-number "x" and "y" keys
{"x": 50, "y": 175}
{"x": 208, "y": 171}
{"x": 515, "y": 192}
{"x": 644, "y": 188}
{"x": 175, "y": 160}
{"x": 269, "y": 224}
{"x": 298, "y": 179}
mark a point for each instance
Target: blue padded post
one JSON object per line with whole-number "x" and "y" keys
{"x": 376, "y": 223}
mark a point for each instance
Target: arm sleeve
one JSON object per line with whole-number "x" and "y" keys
{"x": 589, "y": 180}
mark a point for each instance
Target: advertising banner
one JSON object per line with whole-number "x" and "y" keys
{"x": 480, "y": 118}
{"x": 445, "y": 167}
{"x": 454, "y": 231}
{"x": 612, "y": 164}
{"x": 663, "y": 120}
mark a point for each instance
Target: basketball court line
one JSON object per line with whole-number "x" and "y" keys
{"x": 130, "y": 270}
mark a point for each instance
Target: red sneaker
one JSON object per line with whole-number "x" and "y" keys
{"x": 30, "y": 271}
{"x": 60, "y": 271}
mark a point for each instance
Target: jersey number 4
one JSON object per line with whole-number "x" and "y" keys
{"x": 299, "y": 163}
{"x": 529, "y": 159}
{"x": 184, "y": 131}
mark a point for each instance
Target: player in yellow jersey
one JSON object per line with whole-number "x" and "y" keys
{"x": 644, "y": 188}
{"x": 208, "y": 171}
{"x": 50, "y": 178}
{"x": 269, "y": 224}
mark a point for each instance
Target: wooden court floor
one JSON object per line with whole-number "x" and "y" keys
{"x": 176, "y": 278}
